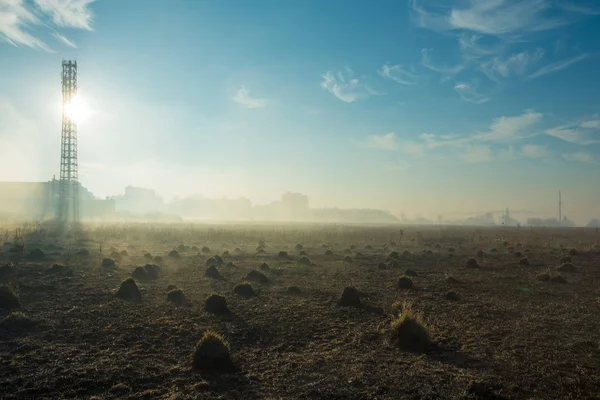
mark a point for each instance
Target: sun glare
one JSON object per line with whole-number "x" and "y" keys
{"x": 77, "y": 109}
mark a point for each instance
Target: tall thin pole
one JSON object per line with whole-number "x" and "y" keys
{"x": 559, "y": 208}
{"x": 68, "y": 194}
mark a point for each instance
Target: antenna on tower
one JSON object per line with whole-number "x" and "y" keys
{"x": 559, "y": 208}
{"x": 68, "y": 192}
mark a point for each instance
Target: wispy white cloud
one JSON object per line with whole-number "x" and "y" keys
{"x": 514, "y": 65}
{"x": 64, "y": 40}
{"x": 68, "y": 13}
{"x": 469, "y": 91}
{"x": 15, "y": 19}
{"x": 444, "y": 70}
{"x": 557, "y": 66}
{"x": 18, "y": 17}
{"x": 477, "y": 154}
{"x": 399, "y": 74}
{"x": 381, "y": 142}
{"x": 511, "y": 128}
{"x": 346, "y": 87}
{"x": 581, "y": 157}
{"x": 591, "y": 124}
{"x": 243, "y": 97}
{"x": 471, "y": 47}
{"x": 534, "y": 151}
{"x": 573, "y": 134}
{"x": 496, "y": 17}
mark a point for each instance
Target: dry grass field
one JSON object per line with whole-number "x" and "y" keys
{"x": 520, "y": 320}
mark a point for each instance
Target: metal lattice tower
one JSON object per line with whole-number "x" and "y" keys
{"x": 68, "y": 192}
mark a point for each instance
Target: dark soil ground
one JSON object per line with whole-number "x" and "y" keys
{"x": 508, "y": 335}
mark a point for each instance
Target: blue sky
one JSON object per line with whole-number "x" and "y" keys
{"x": 422, "y": 107}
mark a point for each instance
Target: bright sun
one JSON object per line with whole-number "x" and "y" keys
{"x": 77, "y": 109}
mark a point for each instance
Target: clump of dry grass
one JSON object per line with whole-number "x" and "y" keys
{"x": 9, "y": 299}
{"x": 404, "y": 282}
{"x": 216, "y": 304}
{"x": 205, "y": 250}
{"x": 543, "y": 277}
{"x": 257, "y": 276}
{"x": 568, "y": 268}
{"x": 212, "y": 353}
{"x": 299, "y": 247}
{"x": 350, "y": 297}
{"x": 16, "y": 321}
{"x": 174, "y": 254}
{"x": 329, "y": 253}
{"x": 244, "y": 289}
{"x": 265, "y": 267}
{"x": 304, "y": 260}
{"x": 409, "y": 332}
{"x": 558, "y": 279}
{"x": 472, "y": 263}
{"x": 129, "y": 290}
{"x": 524, "y": 261}
{"x": 283, "y": 255}
{"x": 452, "y": 296}
{"x": 108, "y": 263}
{"x": 411, "y": 272}
{"x": 213, "y": 273}
{"x": 177, "y": 297}
{"x": 294, "y": 290}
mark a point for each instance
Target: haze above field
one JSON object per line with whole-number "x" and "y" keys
{"x": 421, "y": 107}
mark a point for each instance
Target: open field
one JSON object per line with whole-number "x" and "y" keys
{"x": 508, "y": 334}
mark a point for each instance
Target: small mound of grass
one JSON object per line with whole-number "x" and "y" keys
{"x": 212, "y": 354}
{"x": 304, "y": 260}
{"x": 452, "y": 280}
{"x": 158, "y": 259}
{"x": 452, "y": 296}
{"x": 472, "y": 263}
{"x": 404, "y": 282}
{"x": 17, "y": 321}
{"x": 257, "y": 276}
{"x": 237, "y": 251}
{"x": 299, "y": 247}
{"x": 211, "y": 261}
{"x": 348, "y": 259}
{"x": 123, "y": 253}
{"x": 283, "y": 255}
{"x": 115, "y": 255}
{"x": 394, "y": 255}
{"x": 148, "y": 256}
{"x": 177, "y": 297}
{"x": 129, "y": 290}
{"x": 174, "y": 254}
{"x": 410, "y": 272}
{"x": 213, "y": 273}
{"x": 568, "y": 268}
{"x": 225, "y": 253}
{"x": 329, "y": 253}
{"x": 573, "y": 252}
{"x": 350, "y": 297}
{"x": 543, "y": 277}
{"x": 7, "y": 269}
{"x": 244, "y": 289}
{"x": 36, "y": 255}
{"x": 302, "y": 253}
{"x": 382, "y": 265}
{"x": 139, "y": 273}
{"x": 558, "y": 279}
{"x": 9, "y": 299}
{"x": 565, "y": 259}
{"x": 394, "y": 263}
{"x": 108, "y": 263}
{"x": 83, "y": 253}
{"x": 409, "y": 333}
{"x": 205, "y": 250}
{"x": 406, "y": 253}
{"x": 58, "y": 269}
{"x": 216, "y": 304}
{"x": 524, "y": 261}
{"x": 265, "y": 267}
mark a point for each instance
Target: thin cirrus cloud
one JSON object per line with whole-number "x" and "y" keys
{"x": 581, "y": 157}
{"x": 557, "y": 66}
{"x": 534, "y": 151}
{"x": 381, "y": 142}
{"x": 517, "y": 64}
{"x": 575, "y": 134}
{"x": 497, "y": 17}
{"x": 346, "y": 87}
{"x": 399, "y": 74}
{"x": 17, "y": 17}
{"x": 243, "y": 97}
{"x": 471, "y": 93}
